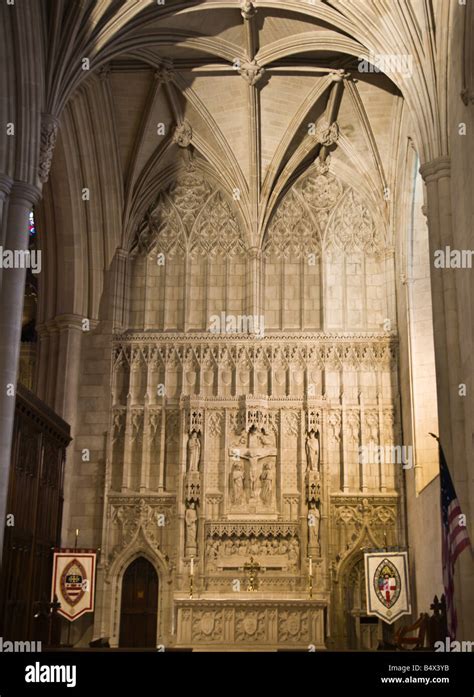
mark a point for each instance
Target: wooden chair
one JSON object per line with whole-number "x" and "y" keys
{"x": 437, "y": 624}
{"x": 404, "y": 642}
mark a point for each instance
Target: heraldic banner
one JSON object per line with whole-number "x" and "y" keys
{"x": 74, "y": 582}
{"x": 387, "y": 585}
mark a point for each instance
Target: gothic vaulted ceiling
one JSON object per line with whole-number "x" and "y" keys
{"x": 256, "y": 92}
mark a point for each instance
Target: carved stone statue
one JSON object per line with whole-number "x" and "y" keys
{"x": 266, "y": 440}
{"x": 194, "y": 452}
{"x": 266, "y": 478}
{"x": 190, "y": 519}
{"x": 313, "y": 451}
{"x": 314, "y": 524}
{"x": 255, "y": 451}
{"x": 237, "y": 482}
{"x": 253, "y": 474}
{"x": 293, "y": 553}
{"x": 212, "y": 553}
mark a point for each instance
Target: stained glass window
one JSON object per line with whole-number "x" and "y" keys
{"x": 32, "y": 225}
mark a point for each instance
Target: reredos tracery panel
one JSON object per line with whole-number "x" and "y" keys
{"x": 234, "y": 458}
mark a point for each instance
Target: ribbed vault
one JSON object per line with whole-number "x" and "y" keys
{"x": 249, "y": 88}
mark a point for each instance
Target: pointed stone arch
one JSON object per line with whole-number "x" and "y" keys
{"x": 351, "y": 227}
{"x": 193, "y": 215}
{"x": 349, "y": 590}
{"x": 140, "y": 546}
{"x": 293, "y": 231}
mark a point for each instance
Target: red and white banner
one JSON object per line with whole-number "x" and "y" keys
{"x": 387, "y": 585}
{"x": 74, "y": 582}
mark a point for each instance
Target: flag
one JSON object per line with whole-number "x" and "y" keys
{"x": 386, "y": 585}
{"x": 455, "y": 538}
{"x": 74, "y": 581}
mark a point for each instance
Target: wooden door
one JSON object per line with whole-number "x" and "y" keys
{"x": 138, "y": 617}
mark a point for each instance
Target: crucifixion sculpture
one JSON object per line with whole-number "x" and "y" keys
{"x": 253, "y": 447}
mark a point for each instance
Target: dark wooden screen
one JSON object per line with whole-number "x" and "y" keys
{"x": 35, "y": 499}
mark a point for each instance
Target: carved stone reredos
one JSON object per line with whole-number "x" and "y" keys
{"x": 132, "y": 516}
{"x": 323, "y": 350}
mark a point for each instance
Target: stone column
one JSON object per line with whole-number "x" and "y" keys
{"x": 69, "y": 354}
{"x": 66, "y": 391}
{"x": 161, "y": 462}
{"x": 146, "y": 447}
{"x": 450, "y": 372}
{"x": 345, "y": 453}
{"x": 150, "y": 401}
{"x": 383, "y": 441}
{"x": 127, "y": 450}
{"x": 363, "y": 466}
{"x": 121, "y": 289}
{"x": 5, "y": 187}
{"x": 437, "y": 176}
{"x": 22, "y": 199}
{"x": 253, "y": 282}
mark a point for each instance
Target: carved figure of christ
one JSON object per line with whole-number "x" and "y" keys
{"x": 253, "y": 455}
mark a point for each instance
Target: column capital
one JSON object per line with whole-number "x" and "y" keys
{"x": 24, "y": 194}
{"x": 51, "y": 326}
{"x": 70, "y": 321}
{"x": 42, "y": 330}
{"x": 122, "y": 253}
{"x": 436, "y": 169}
{"x": 255, "y": 253}
{"x": 6, "y": 184}
{"x": 64, "y": 322}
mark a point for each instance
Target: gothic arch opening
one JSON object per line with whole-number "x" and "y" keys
{"x": 361, "y": 632}
{"x": 139, "y": 605}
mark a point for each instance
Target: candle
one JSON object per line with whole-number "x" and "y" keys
{"x": 191, "y": 570}
{"x": 311, "y": 566}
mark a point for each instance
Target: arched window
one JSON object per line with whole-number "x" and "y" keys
{"x": 32, "y": 224}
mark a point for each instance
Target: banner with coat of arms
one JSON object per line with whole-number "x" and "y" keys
{"x": 387, "y": 585}
{"x": 74, "y": 582}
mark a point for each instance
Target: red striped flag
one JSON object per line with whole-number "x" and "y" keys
{"x": 455, "y": 538}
